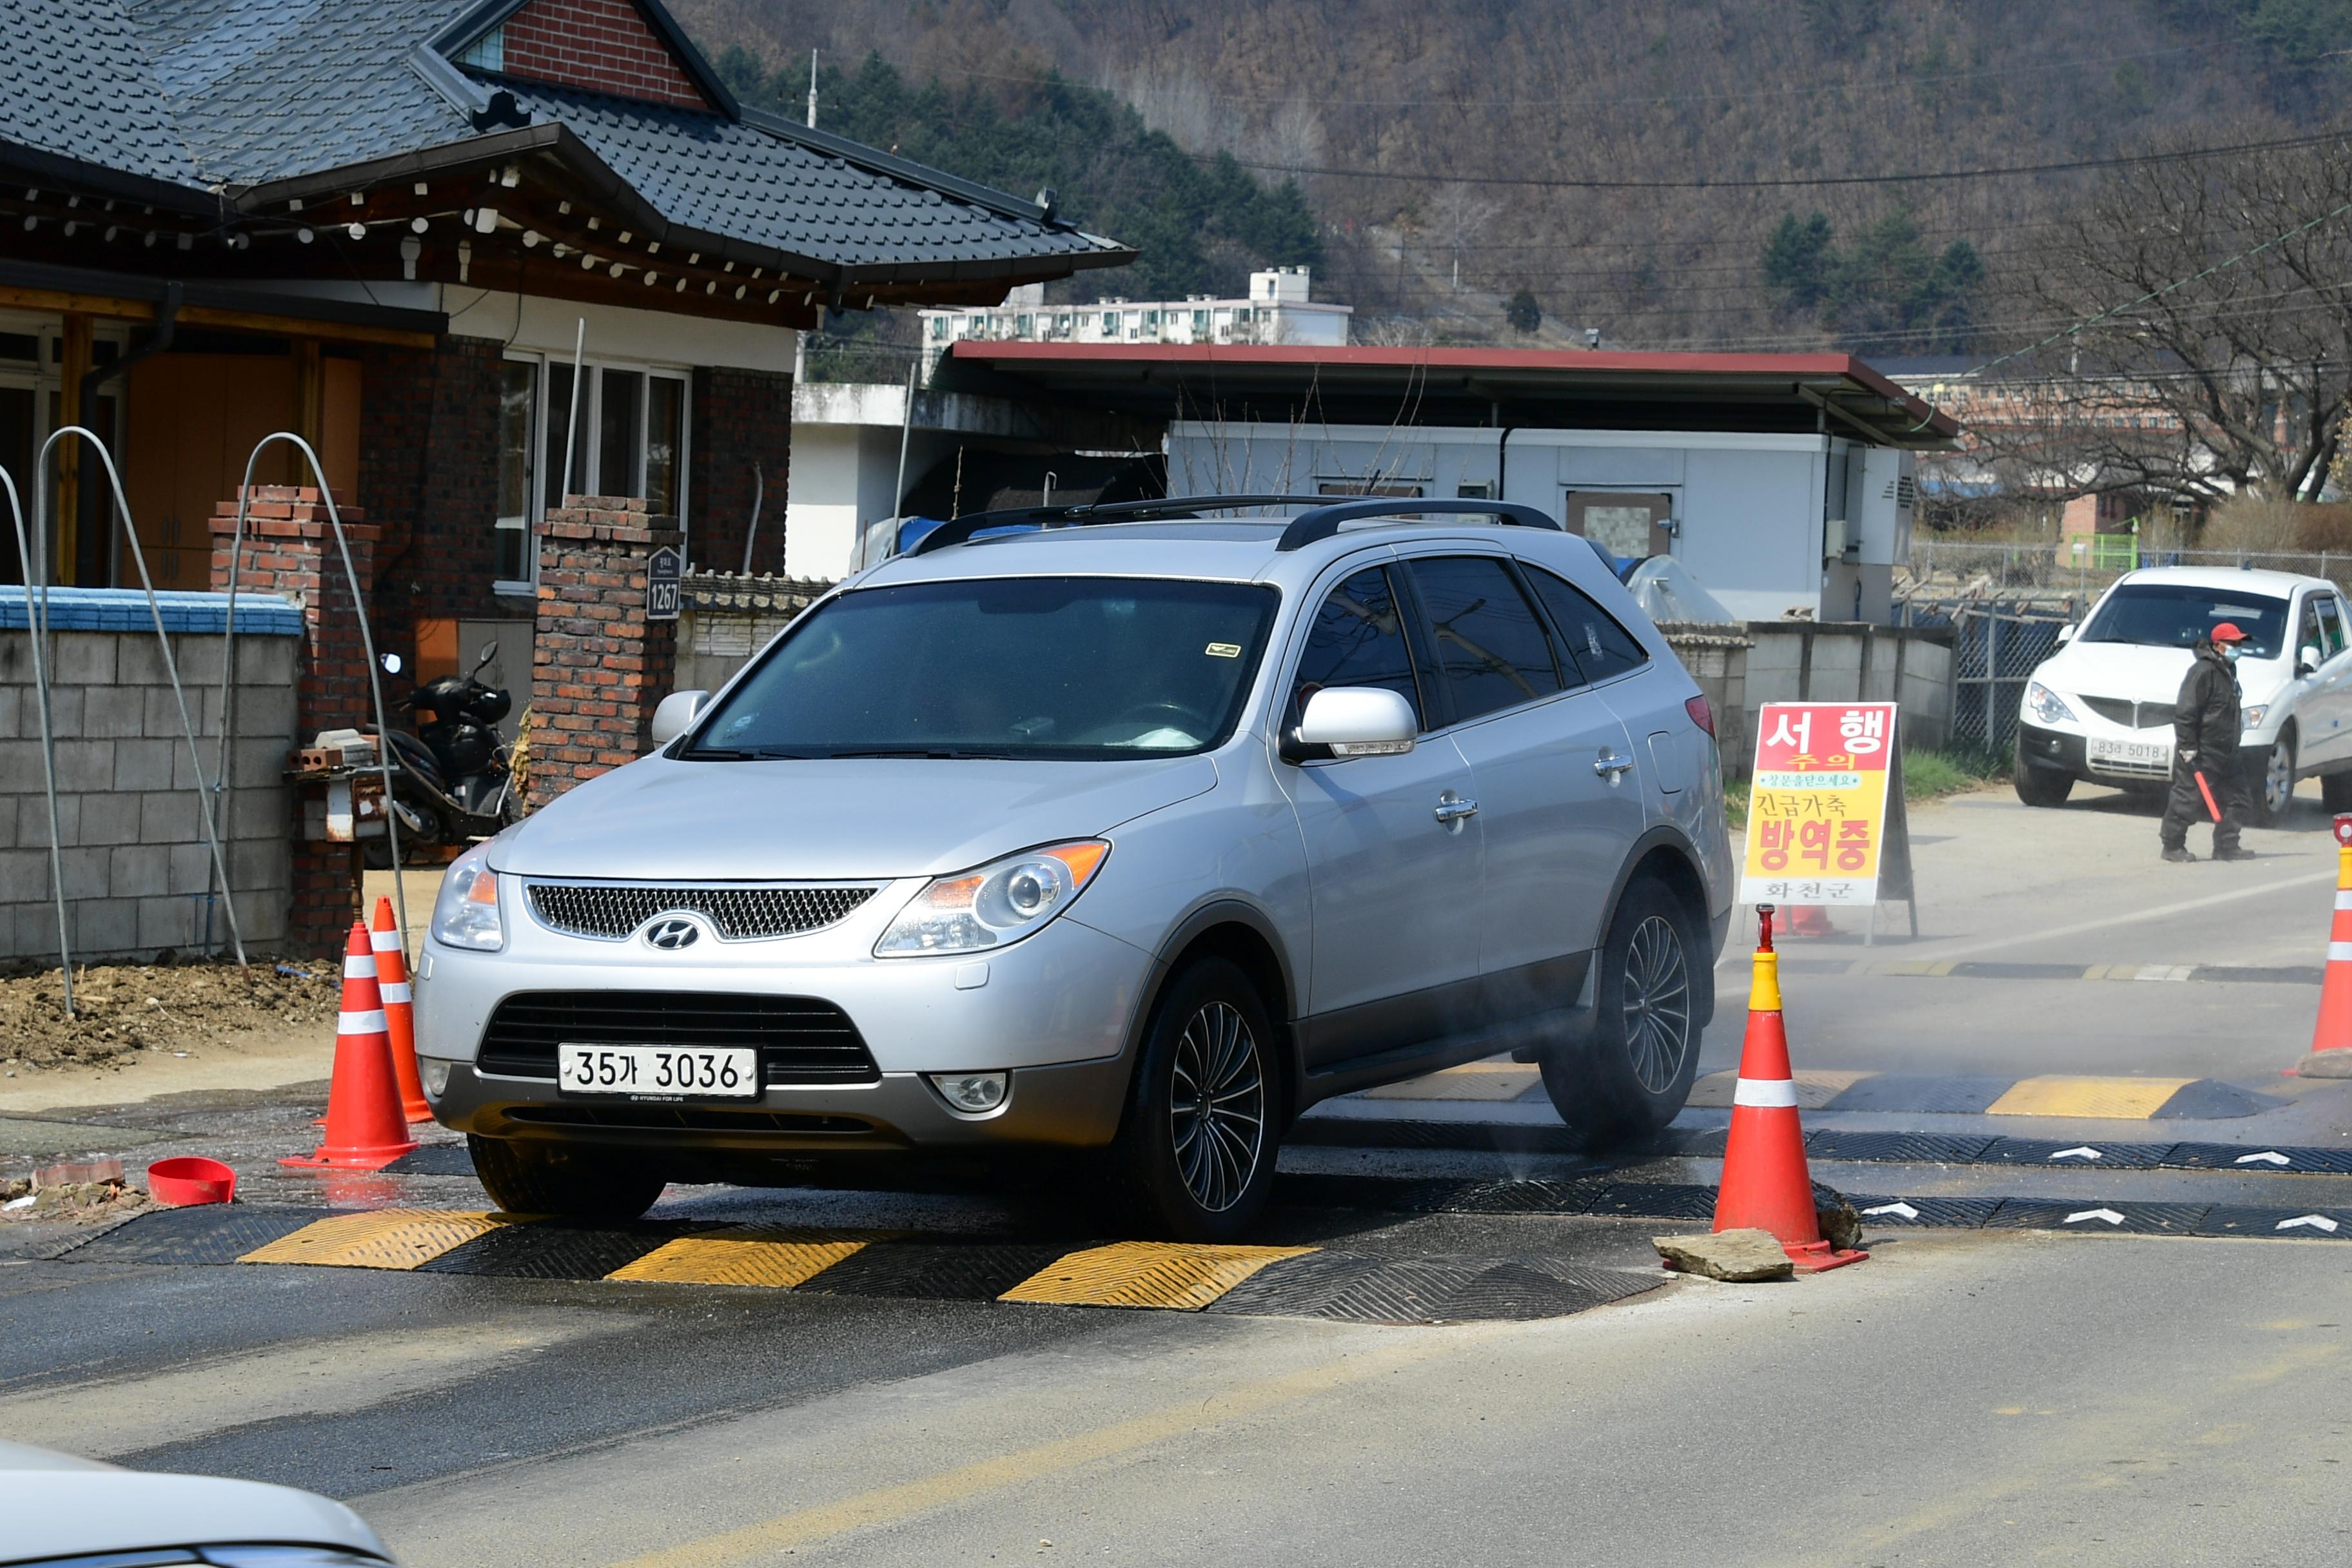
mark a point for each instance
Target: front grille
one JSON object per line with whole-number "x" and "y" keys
{"x": 613, "y": 909}
{"x": 800, "y": 1040}
{"x": 2130, "y": 715}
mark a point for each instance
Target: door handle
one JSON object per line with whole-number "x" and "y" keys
{"x": 1610, "y": 764}
{"x": 1452, "y": 808}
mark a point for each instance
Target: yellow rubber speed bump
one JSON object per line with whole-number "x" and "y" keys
{"x": 1173, "y": 1275}
{"x": 778, "y": 1258}
{"x": 386, "y": 1238}
{"x": 2117, "y": 1098}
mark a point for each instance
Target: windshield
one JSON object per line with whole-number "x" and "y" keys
{"x": 2174, "y": 615}
{"x": 1072, "y": 667}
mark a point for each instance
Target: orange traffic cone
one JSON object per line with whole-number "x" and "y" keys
{"x": 1766, "y": 1183}
{"x": 1808, "y": 920}
{"x": 365, "y": 1130}
{"x": 2331, "y": 1042}
{"x": 399, "y": 1014}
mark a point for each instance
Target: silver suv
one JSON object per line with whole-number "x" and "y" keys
{"x": 1120, "y": 830}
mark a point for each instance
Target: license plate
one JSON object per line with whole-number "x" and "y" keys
{"x": 2131, "y": 753}
{"x": 658, "y": 1072}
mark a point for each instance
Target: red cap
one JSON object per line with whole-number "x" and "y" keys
{"x": 2227, "y": 632}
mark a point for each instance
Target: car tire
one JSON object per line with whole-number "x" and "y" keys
{"x": 2270, "y": 783}
{"x": 2041, "y": 787}
{"x": 2335, "y": 792}
{"x": 1632, "y": 1073}
{"x": 575, "y": 1182}
{"x": 1196, "y": 1148}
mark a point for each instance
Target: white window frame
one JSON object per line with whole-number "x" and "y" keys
{"x": 586, "y": 456}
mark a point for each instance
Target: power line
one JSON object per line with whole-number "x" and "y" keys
{"x": 1792, "y": 181}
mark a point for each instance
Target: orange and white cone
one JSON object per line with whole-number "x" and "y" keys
{"x": 365, "y": 1128}
{"x": 1807, "y": 920}
{"x": 2331, "y": 1042}
{"x": 399, "y": 1011}
{"x": 1767, "y": 1184}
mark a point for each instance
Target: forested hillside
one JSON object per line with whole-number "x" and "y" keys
{"x": 1671, "y": 172}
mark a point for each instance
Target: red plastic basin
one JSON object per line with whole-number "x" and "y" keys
{"x": 190, "y": 1179}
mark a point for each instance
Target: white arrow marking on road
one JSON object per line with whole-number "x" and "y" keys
{"x": 2268, "y": 1157}
{"x": 2317, "y": 1222}
{"x": 2110, "y": 1215}
{"x": 1902, "y": 1209}
{"x": 2080, "y": 1151}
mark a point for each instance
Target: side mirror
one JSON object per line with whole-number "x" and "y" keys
{"x": 489, "y": 652}
{"x": 677, "y": 715}
{"x": 1356, "y": 721}
{"x": 392, "y": 665}
{"x": 2306, "y": 659}
{"x": 2066, "y": 633}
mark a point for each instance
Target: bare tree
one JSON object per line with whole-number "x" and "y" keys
{"x": 2216, "y": 354}
{"x": 1460, "y": 216}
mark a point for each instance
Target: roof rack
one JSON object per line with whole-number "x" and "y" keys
{"x": 960, "y": 531}
{"x": 1324, "y": 520}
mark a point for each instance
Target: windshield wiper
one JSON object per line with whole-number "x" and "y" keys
{"x": 933, "y": 755}
{"x": 747, "y": 754}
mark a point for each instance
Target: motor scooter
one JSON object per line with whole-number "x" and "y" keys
{"x": 452, "y": 780}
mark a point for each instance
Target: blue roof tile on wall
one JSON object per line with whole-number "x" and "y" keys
{"x": 125, "y": 610}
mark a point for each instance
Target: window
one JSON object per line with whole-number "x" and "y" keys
{"x": 2175, "y": 615}
{"x": 2331, "y": 622}
{"x": 664, "y": 442}
{"x": 1480, "y": 490}
{"x": 518, "y": 405}
{"x": 1601, "y": 648}
{"x": 618, "y": 456}
{"x": 2307, "y": 632}
{"x": 1358, "y": 639}
{"x": 1492, "y": 653}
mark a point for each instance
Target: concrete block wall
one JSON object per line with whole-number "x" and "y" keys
{"x": 135, "y": 861}
{"x": 728, "y": 617}
{"x": 1741, "y": 668}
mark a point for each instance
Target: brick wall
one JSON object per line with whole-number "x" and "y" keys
{"x": 131, "y": 843}
{"x": 605, "y": 46}
{"x": 740, "y": 417}
{"x": 290, "y": 550}
{"x": 598, "y": 666}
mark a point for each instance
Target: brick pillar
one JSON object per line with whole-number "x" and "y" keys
{"x": 290, "y": 551}
{"x": 598, "y": 666}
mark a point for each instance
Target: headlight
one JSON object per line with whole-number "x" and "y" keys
{"x": 2252, "y": 718}
{"x": 467, "y": 912}
{"x": 2047, "y": 705}
{"x": 995, "y": 905}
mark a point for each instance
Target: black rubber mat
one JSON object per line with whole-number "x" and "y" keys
{"x": 2224, "y": 1219}
{"x": 1660, "y": 1200}
{"x": 1904, "y": 1148}
{"x": 2283, "y": 975}
{"x": 1928, "y": 1092}
{"x": 1455, "y": 1291}
{"x": 939, "y": 1271}
{"x": 213, "y": 1233}
{"x": 434, "y": 1160}
{"x": 1980, "y": 970}
{"x": 2045, "y": 1151}
{"x": 1526, "y": 1196}
{"x": 554, "y": 1250}
{"x": 2259, "y": 1157}
{"x": 1297, "y": 1287}
{"x": 2207, "y": 1100}
{"x": 1319, "y": 1190}
{"x": 1947, "y": 1214}
{"x": 2089, "y": 1216}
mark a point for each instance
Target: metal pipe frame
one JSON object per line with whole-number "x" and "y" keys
{"x": 36, "y": 628}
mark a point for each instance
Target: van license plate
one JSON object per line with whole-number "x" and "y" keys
{"x": 658, "y": 1072}
{"x": 2133, "y": 754}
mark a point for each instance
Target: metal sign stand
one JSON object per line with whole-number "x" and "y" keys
{"x": 1894, "y": 855}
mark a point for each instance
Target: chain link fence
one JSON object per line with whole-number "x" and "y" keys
{"x": 2076, "y": 572}
{"x": 1996, "y": 647}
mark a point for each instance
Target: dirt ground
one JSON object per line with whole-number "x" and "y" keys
{"x": 122, "y": 1009}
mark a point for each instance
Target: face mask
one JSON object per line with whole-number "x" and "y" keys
{"x": 2229, "y": 652}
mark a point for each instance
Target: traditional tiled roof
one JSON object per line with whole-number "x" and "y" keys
{"x": 221, "y": 96}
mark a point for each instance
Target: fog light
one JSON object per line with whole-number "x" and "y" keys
{"x": 972, "y": 1091}
{"x": 437, "y": 1077}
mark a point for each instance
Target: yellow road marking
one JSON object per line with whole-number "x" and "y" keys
{"x": 1147, "y": 1274}
{"x": 1815, "y": 1087}
{"x": 386, "y": 1238}
{"x": 1473, "y": 1081}
{"x": 886, "y": 1505}
{"x": 2123, "y": 1099}
{"x": 779, "y": 1257}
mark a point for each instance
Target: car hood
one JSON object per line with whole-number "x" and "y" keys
{"x": 59, "y": 1512}
{"x": 828, "y": 820}
{"x": 2140, "y": 674}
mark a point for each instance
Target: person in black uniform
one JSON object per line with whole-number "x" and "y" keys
{"x": 2205, "y": 727}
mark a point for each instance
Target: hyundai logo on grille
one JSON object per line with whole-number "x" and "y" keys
{"x": 671, "y": 934}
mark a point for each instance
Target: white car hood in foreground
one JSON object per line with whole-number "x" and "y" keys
{"x": 2140, "y": 674}
{"x": 55, "y": 1506}
{"x": 832, "y": 820}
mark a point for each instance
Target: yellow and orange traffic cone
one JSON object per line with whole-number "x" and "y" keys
{"x": 365, "y": 1128}
{"x": 2331, "y": 1042}
{"x": 1767, "y": 1184}
{"x": 399, "y": 1013}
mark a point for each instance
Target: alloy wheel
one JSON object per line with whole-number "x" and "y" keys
{"x": 2278, "y": 781}
{"x": 1217, "y": 1107}
{"x": 1657, "y": 1003}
